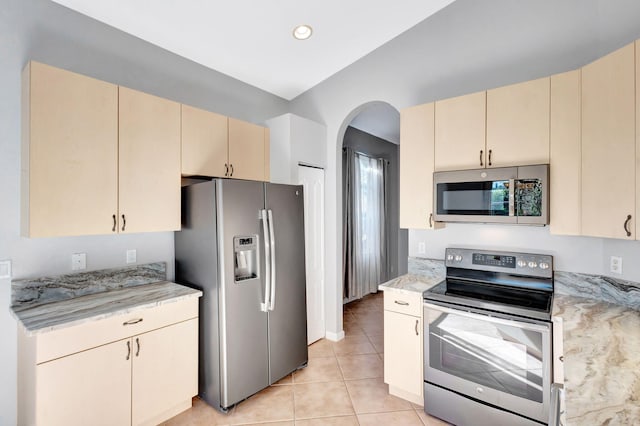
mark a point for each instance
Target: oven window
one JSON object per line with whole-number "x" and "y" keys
{"x": 502, "y": 357}
{"x": 489, "y": 198}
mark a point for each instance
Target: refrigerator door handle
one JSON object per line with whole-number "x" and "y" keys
{"x": 264, "y": 307}
{"x": 272, "y": 299}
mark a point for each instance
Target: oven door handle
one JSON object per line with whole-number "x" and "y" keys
{"x": 520, "y": 324}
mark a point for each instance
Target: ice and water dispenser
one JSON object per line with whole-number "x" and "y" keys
{"x": 245, "y": 251}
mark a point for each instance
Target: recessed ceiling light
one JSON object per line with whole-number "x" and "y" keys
{"x": 302, "y": 32}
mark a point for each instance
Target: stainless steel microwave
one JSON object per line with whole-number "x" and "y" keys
{"x": 517, "y": 195}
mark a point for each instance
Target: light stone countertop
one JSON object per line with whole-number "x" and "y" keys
{"x": 66, "y": 313}
{"x": 601, "y": 344}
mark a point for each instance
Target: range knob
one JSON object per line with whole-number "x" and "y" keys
{"x": 533, "y": 264}
{"x": 450, "y": 257}
{"x": 458, "y": 258}
{"x": 522, "y": 264}
{"x": 543, "y": 265}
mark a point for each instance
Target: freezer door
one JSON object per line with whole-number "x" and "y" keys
{"x": 288, "y": 317}
{"x": 244, "y": 363}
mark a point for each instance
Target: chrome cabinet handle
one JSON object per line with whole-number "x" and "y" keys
{"x": 114, "y": 224}
{"x": 226, "y": 169}
{"x": 417, "y": 328}
{"x": 124, "y": 222}
{"x": 489, "y": 157}
{"x": 231, "y": 175}
{"x": 401, "y": 303}
{"x": 137, "y": 346}
{"x": 626, "y": 222}
{"x": 131, "y": 322}
{"x": 128, "y": 350}
{"x": 430, "y": 220}
{"x": 481, "y": 151}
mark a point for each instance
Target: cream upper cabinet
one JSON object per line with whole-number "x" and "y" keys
{"x": 518, "y": 124}
{"x": 460, "y": 126}
{"x": 165, "y": 370}
{"x": 416, "y": 167}
{"x": 204, "y": 143}
{"x": 248, "y": 151}
{"x": 69, "y": 153}
{"x": 565, "y": 154}
{"x": 149, "y": 163}
{"x": 87, "y": 388}
{"x": 609, "y": 146}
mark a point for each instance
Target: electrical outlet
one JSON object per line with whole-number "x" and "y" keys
{"x": 616, "y": 264}
{"x": 78, "y": 261}
{"x": 422, "y": 249}
{"x": 131, "y": 256}
{"x": 5, "y": 269}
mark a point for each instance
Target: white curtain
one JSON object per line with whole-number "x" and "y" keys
{"x": 365, "y": 240}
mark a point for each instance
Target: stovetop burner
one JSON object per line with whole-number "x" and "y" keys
{"x": 510, "y": 283}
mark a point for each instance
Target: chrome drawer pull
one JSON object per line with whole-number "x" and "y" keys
{"x": 133, "y": 321}
{"x": 401, "y": 303}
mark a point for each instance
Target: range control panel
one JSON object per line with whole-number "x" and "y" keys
{"x": 531, "y": 264}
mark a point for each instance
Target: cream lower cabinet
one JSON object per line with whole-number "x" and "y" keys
{"x": 73, "y": 377}
{"x": 403, "y": 345}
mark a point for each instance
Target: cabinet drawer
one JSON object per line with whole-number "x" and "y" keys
{"x": 410, "y": 304}
{"x": 88, "y": 335}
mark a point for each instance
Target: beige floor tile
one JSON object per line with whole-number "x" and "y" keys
{"x": 321, "y": 400}
{"x": 397, "y": 418}
{"x": 200, "y": 414}
{"x": 372, "y": 396}
{"x": 428, "y": 420}
{"x": 354, "y": 345}
{"x": 321, "y": 348}
{"x": 329, "y": 421}
{"x": 361, "y": 366}
{"x": 272, "y": 404}
{"x": 319, "y": 370}
{"x": 353, "y": 329}
{"x": 291, "y": 423}
{"x": 377, "y": 340}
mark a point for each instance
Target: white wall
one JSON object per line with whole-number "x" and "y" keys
{"x": 467, "y": 47}
{"x": 47, "y": 32}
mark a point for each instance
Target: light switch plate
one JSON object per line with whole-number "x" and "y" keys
{"x": 78, "y": 261}
{"x": 5, "y": 269}
{"x": 131, "y": 256}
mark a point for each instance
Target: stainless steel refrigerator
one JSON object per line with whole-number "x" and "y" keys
{"x": 242, "y": 244}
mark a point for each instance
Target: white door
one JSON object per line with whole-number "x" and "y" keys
{"x": 312, "y": 180}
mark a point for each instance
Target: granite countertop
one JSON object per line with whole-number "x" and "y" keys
{"x": 55, "y": 315}
{"x": 600, "y": 338}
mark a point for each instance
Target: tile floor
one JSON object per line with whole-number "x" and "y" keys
{"x": 342, "y": 385}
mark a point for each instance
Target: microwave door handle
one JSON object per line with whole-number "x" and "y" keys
{"x": 512, "y": 201}
{"x": 267, "y": 255}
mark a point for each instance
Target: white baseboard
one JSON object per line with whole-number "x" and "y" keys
{"x": 334, "y": 337}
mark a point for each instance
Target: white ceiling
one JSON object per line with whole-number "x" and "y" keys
{"x": 251, "y": 40}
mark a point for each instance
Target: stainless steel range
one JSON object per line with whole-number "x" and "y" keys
{"x": 487, "y": 346}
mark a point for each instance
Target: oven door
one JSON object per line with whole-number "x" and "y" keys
{"x": 502, "y": 362}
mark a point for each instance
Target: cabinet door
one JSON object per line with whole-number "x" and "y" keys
{"x": 608, "y": 145}
{"x": 518, "y": 124}
{"x": 70, "y": 153}
{"x": 247, "y": 149}
{"x": 416, "y": 167}
{"x": 204, "y": 143}
{"x": 565, "y": 154}
{"x": 149, "y": 161}
{"x": 403, "y": 352}
{"x": 460, "y": 132}
{"x": 165, "y": 372}
{"x": 88, "y": 388}
{"x": 637, "y": 135}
